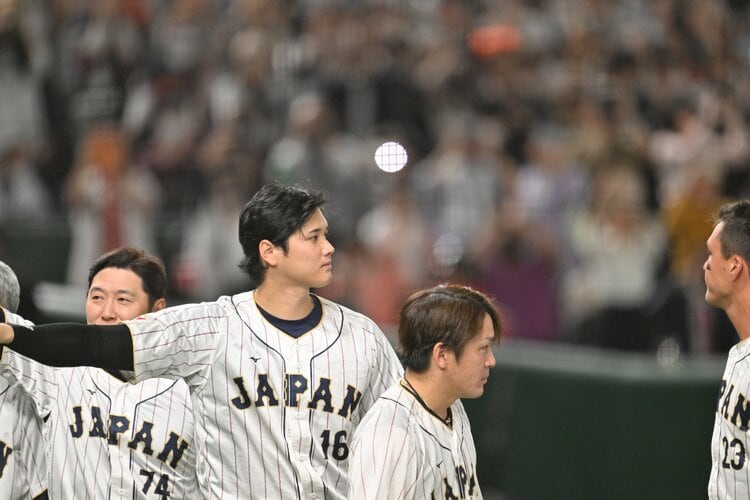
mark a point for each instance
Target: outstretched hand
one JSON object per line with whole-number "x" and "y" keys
{"x": 6, "y": 333}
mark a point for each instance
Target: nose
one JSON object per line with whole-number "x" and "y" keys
{"x": 706, "y": 267}
{"x": 329, "y": 247}
{"x": 108, "y": 311}
{"x": 491, "y": 359}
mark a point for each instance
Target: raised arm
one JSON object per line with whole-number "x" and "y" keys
{"x": 72, "y": 344}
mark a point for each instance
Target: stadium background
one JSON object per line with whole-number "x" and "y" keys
{"x": 565, "y": 156}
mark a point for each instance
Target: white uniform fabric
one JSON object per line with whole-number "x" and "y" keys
{"x": 274, "y": 414}
{"x": 23, "y": 466}
{"x": 401, "y": 450}
{"x": 106, "y": 439}
{"x": 730, "y": 471}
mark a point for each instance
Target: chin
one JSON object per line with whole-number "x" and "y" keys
{"x": 474, "y": 394}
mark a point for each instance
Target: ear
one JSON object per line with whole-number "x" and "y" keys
{"x": 159, "y": 305}
{"x": 737, "y": 266}
{"x": 266, "y": 251}
{"x": 440, "y": 355}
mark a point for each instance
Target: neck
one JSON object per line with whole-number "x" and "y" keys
{"x": 284, "y": 303}
{"x": 432, "y": 391}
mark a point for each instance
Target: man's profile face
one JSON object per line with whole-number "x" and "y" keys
{"x": 469, "y": 374}
{"x": 309, "y": 259}
{"x": 115, "y": 295}
{"x": 716, "y": 270}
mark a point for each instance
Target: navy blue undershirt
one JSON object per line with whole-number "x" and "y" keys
{"x": 298, "y": 327}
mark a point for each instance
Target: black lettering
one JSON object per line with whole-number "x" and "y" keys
{"x": 725, "y": 404}
{"x": 265, "y": 391}
{"x": 76, "y": 428}
{"x": 741, "y": 410}
{"x": 351, "y": 400}
{"x": 322, "y": 393}
{"x": 143, "y": 436}
{"x": 97, "y": 424}
{"x": 117, "y": 425}
{"x": 295, "y": 385}
{"x": 176, "y": 447}
{"x": 243, "y": 400}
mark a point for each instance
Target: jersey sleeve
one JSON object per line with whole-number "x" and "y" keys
{"x": 36, "y": 380}
{"x": 32, "y": 456}
{"x": 388, "y": 367}
{"x": 383, "y": 461}
{"x": 178, "y": 342}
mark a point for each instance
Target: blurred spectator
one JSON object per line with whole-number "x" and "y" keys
{"x": 23, "y": 122}
{"x": 387, "y": 272}
{"x": 460, "y": 185}
{"x": 550, "y": 186}
{"x": 209, "y": 253}
{"x": 315, "y": 152}
{"x": 110, "y": 200}
{"x": 519, "y": 268}
{"x": 618, "y": 247}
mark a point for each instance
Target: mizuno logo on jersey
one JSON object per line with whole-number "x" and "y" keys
{"x": 733, "y": 407}
{"x": 174, "y": 446}
{"x": 5, "y": 452}
{"x": 295, "y": 386}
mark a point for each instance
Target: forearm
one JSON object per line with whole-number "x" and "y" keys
{"x": 71, "y": 344}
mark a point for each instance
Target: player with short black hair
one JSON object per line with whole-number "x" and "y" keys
{"x": 106, "y": 438}
{"x": 279, "y": 376}
{"x": 416, "y": 442}
{"x": 727, "y": 276}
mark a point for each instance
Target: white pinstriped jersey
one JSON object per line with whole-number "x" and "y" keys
{"x": 106, "y": 438}
{"x": 401, "y": 450}
{"x": 274, "y": 414}
{"x": 730, "y": 470}
{"x": 23, "y": 466}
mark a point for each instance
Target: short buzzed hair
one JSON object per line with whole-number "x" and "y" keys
{"x": 10, "y": 290}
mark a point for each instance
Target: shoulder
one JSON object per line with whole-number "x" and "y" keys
{"x": 184, "y": 313}
{"x": 395, "y": 408}
{"x": 337, "y": 312}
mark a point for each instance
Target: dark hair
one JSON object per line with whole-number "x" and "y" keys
{"x": 451, "y": 314}
{"x": 274, "y": 213}
{"x": 149, "y": 268}
{"x": 735, "y": 235}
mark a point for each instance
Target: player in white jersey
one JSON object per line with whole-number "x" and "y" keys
{"x": 416, "y": 442}
{"x": 279, "y": 376}
{"x": 106, "y": 438}
{"x": 727, "y": 277}
{"x": 23, "y": 465}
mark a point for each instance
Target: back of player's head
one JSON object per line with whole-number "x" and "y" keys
{"x": 735, "y": 235}
{"x": 274, "y": 213}
{"x": 10, "y": 290}
{"x": 149, "y": 268}
{"x": 451, "y": 314}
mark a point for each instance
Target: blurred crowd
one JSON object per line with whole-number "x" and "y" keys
{"x": 565, "y": 156}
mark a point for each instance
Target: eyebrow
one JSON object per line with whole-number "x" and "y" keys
{"x": 315, "y": 230}
{"x": 121, "y": 291}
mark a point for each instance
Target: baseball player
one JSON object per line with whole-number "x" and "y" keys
{"x": 23, "y": 466}
{"x": 106, "y": 438}
{"x": 727, "y": 277}
{"x": 279, "y": 376}
{"x": 415, "y": 442}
